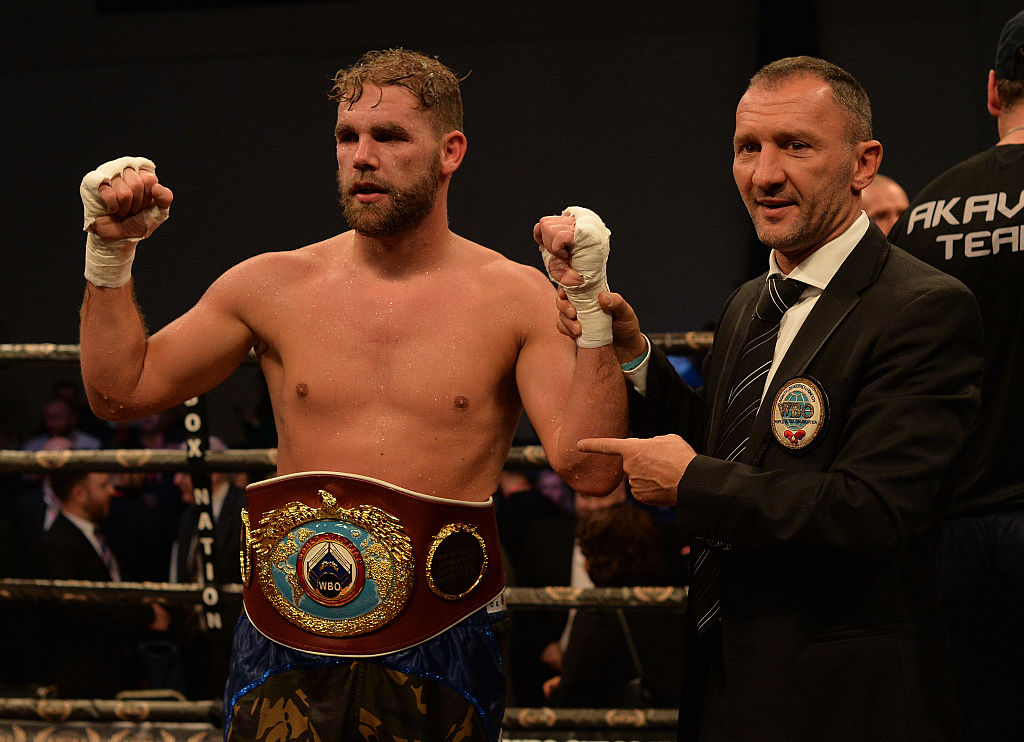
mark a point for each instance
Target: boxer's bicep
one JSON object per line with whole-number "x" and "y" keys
{"x": 201, "y": 348}
{"x": 132, "y": 375}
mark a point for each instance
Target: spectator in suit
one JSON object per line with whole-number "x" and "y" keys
{"x": 30, "y": 508}
{"x": 227, "y": 501}
{"x": 138, "y": 530}
{"x": 92, "y": 646}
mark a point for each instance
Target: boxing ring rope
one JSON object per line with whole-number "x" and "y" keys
{"x": 124, "y": 720}
{"x": 199, "y": 721}
{"x": 670, "y": 342}
{"x": 130, "y": 593}
{"x": 151, "y": 460}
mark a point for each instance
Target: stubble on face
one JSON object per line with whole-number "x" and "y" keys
{"x": 97, "y": 505}
{"x": 817, "y": 217}
{"x": 402, "y": 208}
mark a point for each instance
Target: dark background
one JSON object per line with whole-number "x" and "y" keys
{"x": 624, "y": 107}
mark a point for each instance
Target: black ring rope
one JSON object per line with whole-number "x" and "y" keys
{"x": 681, "y": 343}
{"x": 61, "y": 711}
{"x": 131, "y": 593}
{"x": 157, "y": 460}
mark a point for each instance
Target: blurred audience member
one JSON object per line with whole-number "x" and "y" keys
{"x": 59, "y": 419}
{"x": 884, "y": 200}
{"x": 139, "y": 530}
{"x": 92, "y": 648}
{"x": 614, "y": 657}
{"x": 517, "y": 504}
{"x": 87, "y": 421}
{"x": 30, "y": 508}
{"x": 159, "y": 431}
{"x": 33, "y": 509}
{"x": 550, "y": 555}
{"x": 554, "y": 488}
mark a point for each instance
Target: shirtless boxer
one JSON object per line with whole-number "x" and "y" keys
{"x": 398, "y": 351}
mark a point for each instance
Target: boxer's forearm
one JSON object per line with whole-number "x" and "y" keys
{"x": 596, "y": 407}
{"x": 113, "y": 350}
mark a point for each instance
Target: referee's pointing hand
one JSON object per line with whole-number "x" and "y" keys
{"x": 654, "y": 466}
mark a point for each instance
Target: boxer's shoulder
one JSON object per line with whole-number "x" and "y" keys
{"x": 495, "y": 265}
{"x": 250, "y": 287}
{"x": 290, "y": 264}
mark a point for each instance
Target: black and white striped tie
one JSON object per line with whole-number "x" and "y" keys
{"x": 749, "y": 377}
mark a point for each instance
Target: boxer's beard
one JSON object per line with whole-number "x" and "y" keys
{"x": 403, "y": 208}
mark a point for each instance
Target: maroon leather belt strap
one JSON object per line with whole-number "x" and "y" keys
{"x": 347, "y": 565}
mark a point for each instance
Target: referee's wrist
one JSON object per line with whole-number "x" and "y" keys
{"x": 635, "y": 363}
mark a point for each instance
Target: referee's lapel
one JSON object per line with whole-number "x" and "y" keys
{"x": 843, "y": 293}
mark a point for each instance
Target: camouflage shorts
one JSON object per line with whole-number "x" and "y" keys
{"x": 448, "y": 689}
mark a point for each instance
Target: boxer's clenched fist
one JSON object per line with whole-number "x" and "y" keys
{"x": 575, "y": 248}
{"x": 123, "y": 203}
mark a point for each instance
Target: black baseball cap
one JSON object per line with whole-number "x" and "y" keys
{"x": 1010, "y": 52}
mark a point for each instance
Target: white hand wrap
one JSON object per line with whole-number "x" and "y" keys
{"x": 589, "y": 256}
{"x": 109, "y": 262}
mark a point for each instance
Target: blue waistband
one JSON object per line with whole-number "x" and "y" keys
{"x": 466, "y": 657}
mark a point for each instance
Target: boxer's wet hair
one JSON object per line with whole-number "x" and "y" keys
{"x": 847, "y": 92}
{"x": 434, "y": 85}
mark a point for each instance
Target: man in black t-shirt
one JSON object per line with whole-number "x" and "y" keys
{"x": 970, "y": 222}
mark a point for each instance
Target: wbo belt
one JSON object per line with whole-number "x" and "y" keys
{"x": 346, "y": 565}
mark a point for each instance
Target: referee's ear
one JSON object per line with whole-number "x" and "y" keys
{"x": 867, "y": 156}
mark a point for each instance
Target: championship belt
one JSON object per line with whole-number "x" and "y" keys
{"x": 346, "y": 565}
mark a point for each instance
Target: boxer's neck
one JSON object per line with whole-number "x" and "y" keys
{"x": 424, "y": 246}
